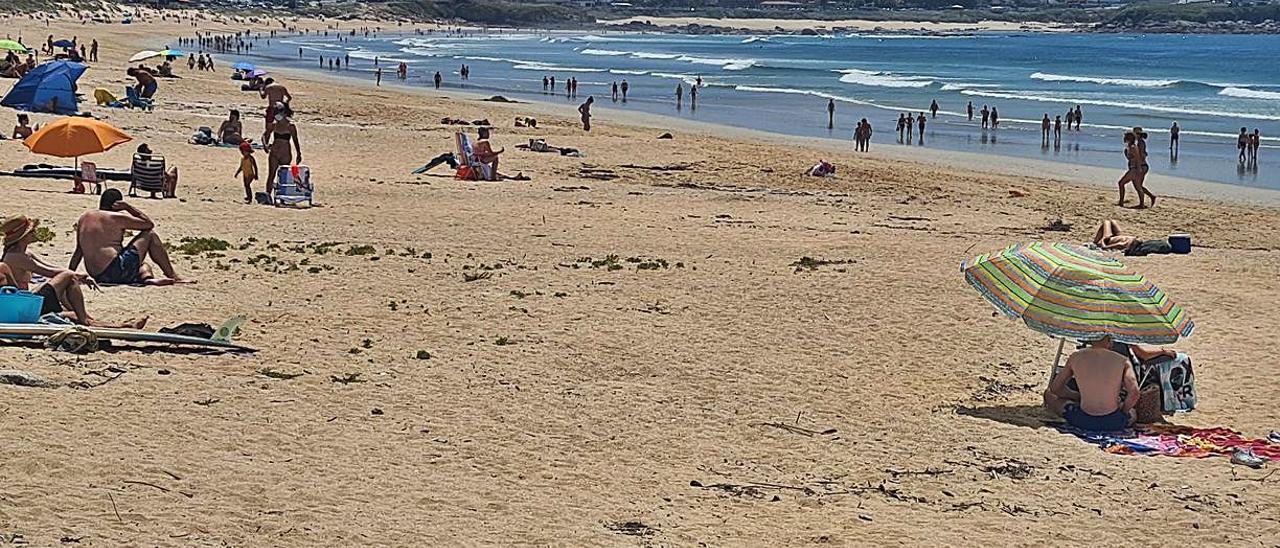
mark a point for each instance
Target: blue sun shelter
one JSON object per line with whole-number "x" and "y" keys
{"x": 50, "y": 87}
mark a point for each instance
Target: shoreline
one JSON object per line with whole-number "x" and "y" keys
{"x": 1015, "y": 166}
{"x": 766, "y": 24}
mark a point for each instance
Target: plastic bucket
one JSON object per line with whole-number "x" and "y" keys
{"x": 1180, "y": 243}
{"x": 18, "y": 306}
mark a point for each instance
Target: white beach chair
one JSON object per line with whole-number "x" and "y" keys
{"x": 293, "y": 186}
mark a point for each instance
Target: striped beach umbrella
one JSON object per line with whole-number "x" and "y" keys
{"x": 1069, "y": 291}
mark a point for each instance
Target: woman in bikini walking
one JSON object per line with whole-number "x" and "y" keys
{"x": 1131, "y": 174}
{"x": 1139, "y": 182}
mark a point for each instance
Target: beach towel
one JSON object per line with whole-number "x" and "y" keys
{"x": 106, "y": 99}
{"x": 1176, "y": 441}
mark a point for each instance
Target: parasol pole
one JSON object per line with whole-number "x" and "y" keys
{"x": 1062, "y": 343}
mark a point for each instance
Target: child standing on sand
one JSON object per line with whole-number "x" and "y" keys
{"x": 249, "y": 170}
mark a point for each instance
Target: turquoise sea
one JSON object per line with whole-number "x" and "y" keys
{"x": 1212, "y": 85}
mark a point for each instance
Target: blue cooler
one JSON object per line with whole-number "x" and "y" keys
{"x": 1181, "y": 243}
{"x": 18, "y": 306}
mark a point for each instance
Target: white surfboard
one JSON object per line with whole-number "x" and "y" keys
{"x": 27, "y": 330}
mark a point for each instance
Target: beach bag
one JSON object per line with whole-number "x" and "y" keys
{"x": 465, "y": 173}
{"x": 204, "y": 136}
{"x": 1174, "y": 378}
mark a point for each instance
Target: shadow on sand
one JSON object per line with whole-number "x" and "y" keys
{"x": 1026, "y": 416}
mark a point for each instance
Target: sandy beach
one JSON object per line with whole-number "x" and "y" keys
{"x": 626, "y": 350}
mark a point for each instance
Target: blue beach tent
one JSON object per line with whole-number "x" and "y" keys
{"x": 50, "y": 87}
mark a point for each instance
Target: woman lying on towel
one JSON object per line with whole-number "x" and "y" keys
{"x": 1109, "y": 237}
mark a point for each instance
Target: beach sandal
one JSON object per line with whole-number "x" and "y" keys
{"x": 1245, "y": 457}
{"x": 1273, "y": 437}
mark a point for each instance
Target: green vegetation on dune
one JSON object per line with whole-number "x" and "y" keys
{"x": 487, "y": 12}
{"x": 1140, "y": 14}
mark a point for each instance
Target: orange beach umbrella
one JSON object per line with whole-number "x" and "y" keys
{"x": 73, "y": 137}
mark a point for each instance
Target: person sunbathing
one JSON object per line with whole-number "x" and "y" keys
{"x": 1100, "y": 374}
{"x": 22, "y": 130}
{"x": 61, "y": 290}
{"x": 1109, "y": 237}
{"x": 231, "y": 130}
{"x": 488, "y": 158}
{"x": 100, "y": 243}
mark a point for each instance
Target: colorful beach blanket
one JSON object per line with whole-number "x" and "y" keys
{"x": 1176, "y": 441}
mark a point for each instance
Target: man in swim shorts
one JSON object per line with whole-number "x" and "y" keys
{"x": 61, "y": 288}
{"x": 100, "y": 243}
{"x": 1101, "y": 374}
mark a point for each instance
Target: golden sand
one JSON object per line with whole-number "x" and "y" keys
{"x": 618, "y": 341}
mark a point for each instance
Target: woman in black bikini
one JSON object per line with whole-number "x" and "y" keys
{"x": 1131, "y": 157}
{"x": 1139, "y": 182}
{"x": 277, "y": 141}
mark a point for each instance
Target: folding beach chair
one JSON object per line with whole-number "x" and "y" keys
{"x": 471, "y": 169}
{"x": 137, "y": 101}
{"x": 147, "y": 174}
{"x": 293, "y": 186}
{"x": 89, "y": 175}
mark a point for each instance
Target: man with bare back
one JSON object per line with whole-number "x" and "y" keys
{"x": 1100, "y": 374}
{"x": 100, "y": 243}
{"x": 274, "y": 92}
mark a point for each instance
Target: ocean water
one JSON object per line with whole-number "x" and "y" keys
{"x": 1212, "y": 85}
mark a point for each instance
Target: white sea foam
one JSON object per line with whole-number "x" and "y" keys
{"x": 753, "y": 39}
{"x": 647, "y": 55}
{"x": 632, "y": 72}
{"x": 421, "y": 52}
{"x": 882, "y": 79}
{"x": 1129, "y": 82}
{"x": 1025, "y": 96}
{"x": 726, "y": 64}
{"x": 604, "y": 52}
{"x": 1249, "y": 93}
{"x": 551, "y": 67}
{"x": 686, "y": 78}
{"x": 957, "y": 86}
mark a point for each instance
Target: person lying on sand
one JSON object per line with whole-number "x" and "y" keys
{"x": 99, "y": 242}
{"x": 1110, "y": 238}
{"x": 61, "y": 291}
{"x": 1100, "y": 374}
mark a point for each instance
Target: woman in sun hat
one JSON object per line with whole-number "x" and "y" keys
{"x": 61, "y": 291}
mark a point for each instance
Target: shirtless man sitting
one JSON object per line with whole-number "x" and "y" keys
{"x": 1101, "y": 374}
{"x": 99, "y": 241}
{"x": 61, "y": 292}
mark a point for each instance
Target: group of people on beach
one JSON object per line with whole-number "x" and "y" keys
{"x": 100, "y": 246}
{"x": 1135, "y": 153}
{"x": 570, "y": 86}
{"x": 1248, "y": 144}
{"x": 905, "y": 124}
